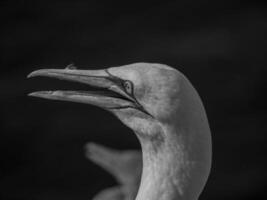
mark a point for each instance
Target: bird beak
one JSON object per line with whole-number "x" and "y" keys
{"x": 112, "y": 95}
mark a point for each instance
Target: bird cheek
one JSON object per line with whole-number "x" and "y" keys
{"x": 167, "y": 110}
{"x": 136, "y": 120}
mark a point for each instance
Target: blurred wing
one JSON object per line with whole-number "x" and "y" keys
{"x": 125, "y": 166}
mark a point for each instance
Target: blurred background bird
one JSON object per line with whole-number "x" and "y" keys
{"x": 125, "y": 166}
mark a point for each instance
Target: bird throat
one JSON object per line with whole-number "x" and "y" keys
{"x": 167, "y": 167}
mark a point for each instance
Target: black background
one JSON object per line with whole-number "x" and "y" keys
{"x": 219, "y": 45}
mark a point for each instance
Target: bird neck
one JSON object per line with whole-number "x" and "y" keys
{"x": 171, "y": 168}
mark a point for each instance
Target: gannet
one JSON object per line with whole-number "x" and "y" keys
{"x": 165, "y": 112}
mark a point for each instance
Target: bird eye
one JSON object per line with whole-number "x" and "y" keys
{"x": 128, "y": 87}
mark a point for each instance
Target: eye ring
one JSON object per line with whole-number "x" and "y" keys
{"x": 128, "y": 86}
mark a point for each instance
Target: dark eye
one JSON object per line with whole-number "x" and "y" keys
{"x": 128, "y": 86}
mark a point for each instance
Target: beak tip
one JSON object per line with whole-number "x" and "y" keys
{"x": 32, "y": 74}
{"x": 39, "y": 72}
{"x": 32, "y": 94}
{"x": 43, "y": 94}
{"x": 29, "y": 75}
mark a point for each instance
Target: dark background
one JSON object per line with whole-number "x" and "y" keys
{"x": 219, "y": 45}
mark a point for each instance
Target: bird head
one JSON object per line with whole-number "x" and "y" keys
{"x": 164, "y": 110}
{"x": 141, "y": 95}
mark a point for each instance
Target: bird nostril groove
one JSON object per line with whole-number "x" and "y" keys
{"x": 71, "y": 67}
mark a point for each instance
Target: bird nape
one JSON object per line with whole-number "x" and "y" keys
{"x": 164, "y": 111}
